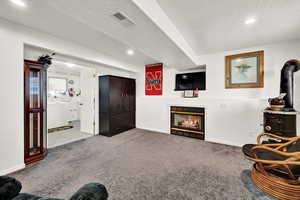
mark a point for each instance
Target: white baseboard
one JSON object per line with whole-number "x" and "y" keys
{"x": 220, "y": 141}
{"x": 12, "y": 169}
{"x": 152, "y": 129}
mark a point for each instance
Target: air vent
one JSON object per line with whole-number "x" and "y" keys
{"x": 120, "y": 16}
{"x": 123, "y": 19}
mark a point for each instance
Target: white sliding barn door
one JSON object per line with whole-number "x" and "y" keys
{"x": 87, "y": 109}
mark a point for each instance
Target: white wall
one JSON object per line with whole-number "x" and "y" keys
{"x": 11, "y": 106}
{"x": 233, "y": 116}
{"x": 12, "y": 40}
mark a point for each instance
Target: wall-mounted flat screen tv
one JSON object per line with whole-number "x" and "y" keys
{"x": 191, "y": 81}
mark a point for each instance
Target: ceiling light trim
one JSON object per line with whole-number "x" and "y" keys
{"x": 130, "y": 52}
{"x": 250, "y": 21}
{"x": 19, "y": 3}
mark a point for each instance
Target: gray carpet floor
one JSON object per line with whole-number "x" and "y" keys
{"x": 142, "y": 165}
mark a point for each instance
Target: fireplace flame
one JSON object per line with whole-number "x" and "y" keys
{"x": 190, "y": 122}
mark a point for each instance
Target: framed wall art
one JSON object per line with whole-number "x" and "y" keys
{"x": 154, "y": 79}
{"x": 245, "y": 70}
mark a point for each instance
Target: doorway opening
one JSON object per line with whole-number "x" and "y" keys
{"x": 64, "y": 104}
{"x": 70, "y": 88}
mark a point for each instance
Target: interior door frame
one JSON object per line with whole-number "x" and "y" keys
{"x": 90, "y": 75}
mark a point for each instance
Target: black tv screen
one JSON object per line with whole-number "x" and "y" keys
{"x": 191, "y": 81}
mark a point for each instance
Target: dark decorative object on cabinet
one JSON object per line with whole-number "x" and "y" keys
{"x": 287, "y": 83}
{"x": 280, "y": 123}
{"x": 116, "y": 105}
{"x": 277, "y": 103}
{"x": 283, "y": 123}
{"x": 46, "y": 59}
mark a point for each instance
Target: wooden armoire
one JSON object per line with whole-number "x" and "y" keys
{"x": 116, "y": 105}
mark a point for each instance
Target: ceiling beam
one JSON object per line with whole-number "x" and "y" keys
{"x": 152, "y": 9}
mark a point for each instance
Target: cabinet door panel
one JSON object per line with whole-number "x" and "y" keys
{"x": 132, "y": 95}
{"x": 116, "y": 90}
{"x": 125, "y": 100}
{"x": 131, "y": 123}
{"x": 104, "y": 128}
{"x": 283, "y": 125}
{"x": 118, "y": 123}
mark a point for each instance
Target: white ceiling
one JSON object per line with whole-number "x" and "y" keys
{"x": 90, "y": 23}
{"x": 211, "y": 26}
{"x": 59, "y": 62}
{"x": 199, "y": 26}
{"x": 58, "y": 68}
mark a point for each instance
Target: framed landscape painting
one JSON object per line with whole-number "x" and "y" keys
{"x": 245, "y": 70}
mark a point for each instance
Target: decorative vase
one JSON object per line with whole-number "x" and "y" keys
{"x": 276, "y": 104}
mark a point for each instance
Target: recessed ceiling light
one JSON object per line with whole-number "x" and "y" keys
{"x": 20, "y": 3}
{"x": 70, "y": 65}
{"x": 250, "y": 21}
{"x": 130, "y": 52}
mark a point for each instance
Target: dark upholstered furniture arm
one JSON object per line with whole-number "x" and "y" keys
{"x": 10, "y": 190}
{"x": 9, "y": 187}
{"x": 91, "y": 191}
{"x": 25, "y": 196}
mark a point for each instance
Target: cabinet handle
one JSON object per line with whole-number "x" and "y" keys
{"x": 268, "y": 128}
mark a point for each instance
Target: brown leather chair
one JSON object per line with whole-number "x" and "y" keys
{"x": 277, "y": 166}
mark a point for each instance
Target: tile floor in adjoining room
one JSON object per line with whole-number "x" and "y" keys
{"x": 58, "y": 138}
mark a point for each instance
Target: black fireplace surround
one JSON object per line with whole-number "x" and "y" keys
{"x": 188, "y": 121}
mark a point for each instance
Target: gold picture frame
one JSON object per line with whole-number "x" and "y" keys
{"x": 245, "y": 70}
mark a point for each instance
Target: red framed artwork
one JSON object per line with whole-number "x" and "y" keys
{"x": 154, "y": 79}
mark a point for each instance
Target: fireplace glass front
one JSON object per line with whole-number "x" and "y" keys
{"x": 187, "y": 121}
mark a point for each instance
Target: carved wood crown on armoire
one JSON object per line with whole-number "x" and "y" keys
{"x": 116, "y": 104}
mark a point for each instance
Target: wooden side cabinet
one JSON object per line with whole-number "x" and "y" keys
{"x": 35, "y": 111}
{"x": 280, "y": 123}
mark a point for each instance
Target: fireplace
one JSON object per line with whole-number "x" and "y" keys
{"x": 188, "y": 121}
